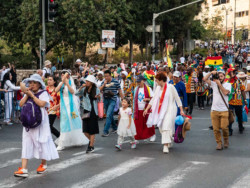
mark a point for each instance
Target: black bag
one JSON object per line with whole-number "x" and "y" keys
{"x": 108, "y": 94}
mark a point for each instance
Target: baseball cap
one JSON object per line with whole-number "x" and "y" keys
{"x": 177, "y": 74}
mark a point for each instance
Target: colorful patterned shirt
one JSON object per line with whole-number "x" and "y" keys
{"x": 235, "y": 95}
{"x": 56, "y": 101}
{"x": 190, "y": 83}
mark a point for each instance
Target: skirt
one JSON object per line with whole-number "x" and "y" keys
{"x": 90, "y": 125}
{"x": 142, "y": 130}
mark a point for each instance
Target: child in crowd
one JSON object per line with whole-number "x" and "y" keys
{"x": 36, "y": 142}
{"x": 126, "y": 127}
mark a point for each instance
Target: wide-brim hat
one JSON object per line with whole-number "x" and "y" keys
{"x": 47, "y": 62}
{"x": 91, "y": 79}
{"x": 35, "y": 78}
{"x": 241, "y": 75}
{"x": 207, "y": 67}
{"x": 186, "y": 127}
{"x": 125, "y": 73}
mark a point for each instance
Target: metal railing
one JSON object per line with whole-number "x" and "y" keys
{"x": 9, "y": 107}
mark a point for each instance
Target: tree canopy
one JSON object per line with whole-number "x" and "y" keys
{"x": 80, "y": 23}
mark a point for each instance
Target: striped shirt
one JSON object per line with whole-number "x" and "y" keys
{"x": 113, "y": 87}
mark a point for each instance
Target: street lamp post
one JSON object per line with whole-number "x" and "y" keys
{"x": 155, "y": 15}
{"x": 227, "y": 10}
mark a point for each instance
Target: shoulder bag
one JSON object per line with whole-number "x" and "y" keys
{"x": 230, "y": 112}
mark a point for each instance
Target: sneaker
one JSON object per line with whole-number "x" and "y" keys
{"x": 41, "y": 169}
{"x": 90, "y": 149}
{"x": 59, "y": 148}
{"x": 165, "y": 149}
{"x": 202, "y": 108}
{"x": 219, "y": 146}
{"x": 9, "y": 123}
{"x": 133, "y": 146}
{"x": 153, "y": 138}
{"x": 118, "y": 147}
{"x": 21, "y": 173}
{"x": 226, "y": 143}
{"x": 105, "y": 134}
{"x": 114, "y": 131}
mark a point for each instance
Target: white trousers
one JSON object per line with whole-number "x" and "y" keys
{"x": 166, "y": 136}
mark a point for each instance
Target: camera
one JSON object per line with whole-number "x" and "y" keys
{"x": 215, "y": 76}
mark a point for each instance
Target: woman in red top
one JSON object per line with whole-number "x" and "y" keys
{"x": 54, "y": 110}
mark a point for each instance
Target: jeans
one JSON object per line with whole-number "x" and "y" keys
{"x": 109, "y": 106}
{"x": 201, "y": 101}
{"x": 190, "y": 100}
{"x": 238, "y": 112}
{"x": 220, "y": 121}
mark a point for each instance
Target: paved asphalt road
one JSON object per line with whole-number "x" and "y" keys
{"x": 192, "y": 164}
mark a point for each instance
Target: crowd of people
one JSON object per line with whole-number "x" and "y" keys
{"x": 146, "y": 96}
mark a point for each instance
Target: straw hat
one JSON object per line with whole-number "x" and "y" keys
{"x": 186, "y": 127}
{"x": 47, "y": 63}
{"x": 241, "y": 75}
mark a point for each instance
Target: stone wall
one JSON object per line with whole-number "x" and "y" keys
{"x": 24, "y": 73}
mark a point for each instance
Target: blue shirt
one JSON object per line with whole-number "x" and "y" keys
{"x": 181, "y": 89}
{"x": 113, "y": 87}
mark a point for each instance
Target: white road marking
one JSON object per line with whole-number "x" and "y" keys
{"x": 8, "y": 150}
{"x": 84, "y": 152}
{"x": 243, "y": 181}
{"x": 9, "y": 163}
{"x": 14, "y": 181}
{"x": 177, "y": 175}
{"x": 112, "y": 173}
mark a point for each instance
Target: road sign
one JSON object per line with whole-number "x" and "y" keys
{"x": 108, "y": 38}
{"x": 149, "y": 28}
{"x": 101, "y": 51}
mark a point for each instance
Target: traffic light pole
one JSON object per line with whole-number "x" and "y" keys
{"x": 155, "y": 15}
{"x": 43, "y": 45}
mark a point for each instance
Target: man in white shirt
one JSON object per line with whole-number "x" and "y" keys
{"x": 3, "y": 71}
{"x": 47, "y": 68}
{"x": 219, "y": 110}
{"x": 182, "y": 59}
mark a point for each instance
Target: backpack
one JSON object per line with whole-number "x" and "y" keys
{"x": 31, "y": 114}
{"x": 178, "y": 138}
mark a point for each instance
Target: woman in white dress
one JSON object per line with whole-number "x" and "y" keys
{"x": 164, "y": 110}
{"x": 70, "y": 120}
{"x": 8, "y": 96}
{"x": 37, "y": 142}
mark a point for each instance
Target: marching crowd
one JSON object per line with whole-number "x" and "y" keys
{"x": 145, "y": 96}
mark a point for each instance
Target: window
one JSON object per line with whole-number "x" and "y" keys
{"x": 247, "y": 13}
{"x": 243, "y": 13}
{"x": 239, "y": 14}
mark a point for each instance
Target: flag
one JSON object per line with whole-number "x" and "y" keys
{"x": 215, "y": 62}
{"x": 169, "y": 60}
{"x": 149, "y": 76}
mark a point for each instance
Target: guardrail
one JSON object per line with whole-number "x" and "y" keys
{"x": 9, "y": 107}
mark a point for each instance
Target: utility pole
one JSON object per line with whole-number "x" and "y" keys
{"x": 43, "y": 41}
{"x": 155, "y": 15}
{"x": 234, "y": 22}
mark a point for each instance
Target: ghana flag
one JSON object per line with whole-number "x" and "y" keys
{"x": 215, "y": 62}
{"x": 149, "y": 76}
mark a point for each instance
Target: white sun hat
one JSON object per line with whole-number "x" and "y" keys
{"x": 91, "y": 79}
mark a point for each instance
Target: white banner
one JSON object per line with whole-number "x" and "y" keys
{"x": 108, "y": 38}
